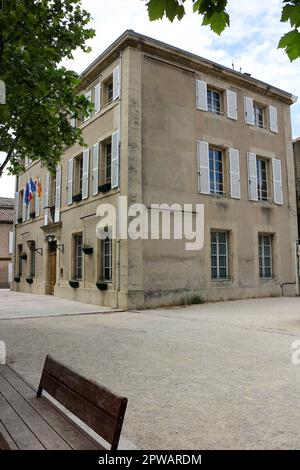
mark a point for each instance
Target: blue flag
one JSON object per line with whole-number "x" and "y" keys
{"x": 26, "y": 194}
{"x": 32, "y": 186}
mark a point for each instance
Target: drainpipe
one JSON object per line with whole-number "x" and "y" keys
{"x": 15, "y": 235}
{"x": 118, "y": 208}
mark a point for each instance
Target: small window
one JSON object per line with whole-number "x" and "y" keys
{"x": 258, "y": 115}
{"x": 262, "y": 179}
{"x": 78, "y": 173}
{"x": 265, "y": 253}
{"x": 108, "y": 90}
{"x": 214, "y": 101}
{"x": 220, "y": 255}
{"x": 107, "y": 259}
{"x": 216, "y": 175}
{"x": 78, "y": 256}
{"x": 32, "y": 260}
{"x": 20, "y": 249}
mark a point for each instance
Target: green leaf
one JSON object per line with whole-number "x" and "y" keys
{"x": 291, "y": 13}
{"x": 218, "y": 21}
{"x": 156, "y": 9}
{"x": 290, "y": 42}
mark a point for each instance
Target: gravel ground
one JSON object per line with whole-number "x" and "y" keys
{"x": 211, "y": 376}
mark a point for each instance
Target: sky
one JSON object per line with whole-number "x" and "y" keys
{"x": 250, "y": 43}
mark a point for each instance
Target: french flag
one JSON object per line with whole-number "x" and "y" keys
{"x": 32, "y": 189}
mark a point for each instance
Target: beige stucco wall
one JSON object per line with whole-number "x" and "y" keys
{"x": 159, "y": 126}
{"x": 171, "y": 125}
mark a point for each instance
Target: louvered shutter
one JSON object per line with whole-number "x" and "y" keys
{"x": 24, "y": 211}
{"x": 273, "y": 119}
{"x": 201, "y": 95}
{"x": 277, "y": 181}
{"x": 234, "y": 165}
{"x": 46, "y": 199}
{"x": 203, "y": 167}
{"x": 95, "y": 162}
{"x": 231, "y": 105}
{"x": 116, "y": 83}
{"x": 70, "y": 181}
{"x": 85, "y": 174}
{"x": 97, "y": 97}
{"x": 57, "y": 194}
{"x": 115, "y": 160}
{"x": 252, "y": 177}
{"x": 88, "y": 96}
{"x": 10, "y": 242}
{"x": 249, "y": 110}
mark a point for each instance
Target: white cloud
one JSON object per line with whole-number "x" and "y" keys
{"x": 251, "y": 41}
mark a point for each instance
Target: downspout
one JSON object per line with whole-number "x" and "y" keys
{"x": 118, "y": 207}
{"x": 15, "y": 233}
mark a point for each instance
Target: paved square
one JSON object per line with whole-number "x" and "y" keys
{"x": 216, "y": 376}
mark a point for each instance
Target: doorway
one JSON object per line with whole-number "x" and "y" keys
{"x": 52, "y": 267}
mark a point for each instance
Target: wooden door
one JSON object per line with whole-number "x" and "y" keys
{"x": 52, "y": 267}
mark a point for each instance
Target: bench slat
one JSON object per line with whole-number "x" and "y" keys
{"x": 75, "y": 437}
{"x": 22, "y": 436}
{"x": 37, "y": 425}
{"x": 6, "y": 442}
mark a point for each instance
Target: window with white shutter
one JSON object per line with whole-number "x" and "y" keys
{"x": 252, "y": 176}
{"x": 277, "y": 181}
{"x": 97, "y": 98}
{"x": 46, "y": 199}
{"x": 116, "y": 83}
{"x": 57, "y": 194}
{"x": 273, "y": 119}
{"x": 36, "y": 205}
{"x": 201, "y": 95}
{"x": 115, "y": 160}
{"x": 234, "y": 168}
{"x": 88, "y": 96}
{"x": 95, "y": 163}
{"x": 249, "y": 110}
{"x": 231, "y": 105}
{"x": 70, "y": 181}
{"x": 85, "y": 174}
{"x": 203, "y": 167}
{"x": 24, "y": 210}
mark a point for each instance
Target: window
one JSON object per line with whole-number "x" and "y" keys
{"x": 219, "y": 255}
{"x": 108, "y": 162}
{"x": 214, "y": 101}
{"x": 107, "y": 259}
{"x": 78, "y": 174}
{"x": 20, "y": 249}
{"x": 262, "y": 179}
{"x": 32, "y": 260}
{"x": 265, "y": 255}
{"x": 216, "y": 171}
{"x": 78, "y": 256}
{"x": 258, "y": 115}
{"x": 108, "y": 90}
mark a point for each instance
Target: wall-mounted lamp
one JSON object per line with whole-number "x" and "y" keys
{"x": 31, "y": 246}
{"x": 51, "y": 239}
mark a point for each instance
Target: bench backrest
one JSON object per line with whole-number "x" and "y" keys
{"x": 95, "y": 405}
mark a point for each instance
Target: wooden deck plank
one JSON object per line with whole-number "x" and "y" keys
{"x": 22, "y": 436}
{"x": 75, "y": 437}
{"x": 34, "y": 421}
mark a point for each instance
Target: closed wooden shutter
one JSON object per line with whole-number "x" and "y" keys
{"x": 234, "y": 165}
{"x": 70, "y": 181}
{"x": 231, "y": 104}
{"x": 85, "y": 174}
{"x": 201, "y": 95}
{"x": 273, "y": 119}
{"x": 95, "y": 163}
{"x": 249, "y": 110}
{"x": 116, "y": 83}
{"x": 46, "y": 199}
{"x": 203, "y": 167}
{"x": 252, "y": 177}
{"x": 277, "y": 181}
{"x": 115, "y": 160}
{"x": 97, "y": 98}
{"x": 57, "y": 194}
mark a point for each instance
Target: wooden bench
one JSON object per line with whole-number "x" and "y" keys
{"x": 30, "y": 421}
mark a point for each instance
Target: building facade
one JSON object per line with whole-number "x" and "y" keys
{"x": 6, "y": 241}
{"x": 168, "y": 127}
{"x": 296, "y": 148}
